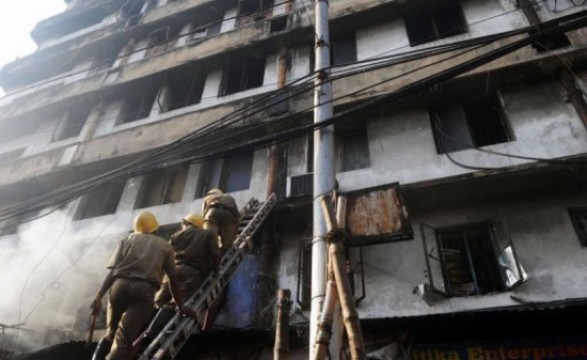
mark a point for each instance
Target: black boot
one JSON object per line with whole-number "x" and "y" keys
{"x": 102, "y": 349}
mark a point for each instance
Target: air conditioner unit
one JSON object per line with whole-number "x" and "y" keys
{"x": 300, "y": 185}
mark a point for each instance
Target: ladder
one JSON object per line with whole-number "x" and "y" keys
{"x": 175, "y": 334}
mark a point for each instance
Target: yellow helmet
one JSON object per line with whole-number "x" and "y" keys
{"x": 215, "y": 192}
{"x": 196, "y": 220}
{"x": 145, "y": 223}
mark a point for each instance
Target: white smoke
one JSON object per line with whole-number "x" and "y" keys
{"x": 50, "y": 273}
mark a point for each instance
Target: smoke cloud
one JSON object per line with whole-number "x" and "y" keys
{"x": 50, "y": 273}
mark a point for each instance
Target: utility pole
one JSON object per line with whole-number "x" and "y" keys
{"x": 324, "y": 179}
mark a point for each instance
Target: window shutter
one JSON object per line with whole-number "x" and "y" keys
{"x": 433, "y": 258}
{"x": 512, "y": 271}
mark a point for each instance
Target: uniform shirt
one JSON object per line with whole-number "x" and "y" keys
{"x": 195, "y": 248}
{"x": 226, "y": 201}
{"x": 142, "y": 256}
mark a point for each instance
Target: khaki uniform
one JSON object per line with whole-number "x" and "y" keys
{"x": 195, "y": 250}
{"x": 137, "y": 267}
{"x": 221, "y": 216}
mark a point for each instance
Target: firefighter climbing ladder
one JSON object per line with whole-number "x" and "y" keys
{"x": 175, "y": 334}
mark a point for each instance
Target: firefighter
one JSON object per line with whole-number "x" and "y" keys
{"x": 136, "y": 271}
{"x": 221, "y": 216}
{"x": 196, "y": 254}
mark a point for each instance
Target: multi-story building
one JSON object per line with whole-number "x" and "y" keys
{"x": 489, "y": 158}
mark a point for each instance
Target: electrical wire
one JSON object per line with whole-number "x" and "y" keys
{"x": 569, "y": 23}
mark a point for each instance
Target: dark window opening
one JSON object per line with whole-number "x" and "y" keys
{"x": 236, "y": 172}
{"x": 162, "y": 187}
{"x": 71, "y": 123}
{"x": 469, "y": 262}
{"x": 243, "y": 74}
{"x": 139, "y": 103}
{"x": 278, "y": 24}
{"x": 101, "y": 201}
{"x": 473, "y": 123}
{"x": 304, "y": 288}
{"x": 354, "y": 146}
{"x": 250, "y": 11}
{"x": 435, "y": 23}
{"x": 579, "y": 220}
{"x": 343, "y": 51}
{"x": 185, "y": 86}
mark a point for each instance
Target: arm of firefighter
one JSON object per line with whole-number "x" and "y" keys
{"x": 97, "y": 303}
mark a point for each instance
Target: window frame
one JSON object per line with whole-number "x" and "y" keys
{"x": 511, "y": 271}
{"x": 432, "y": 16}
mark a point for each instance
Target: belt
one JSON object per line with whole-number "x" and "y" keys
{"x": 153, "y": 283}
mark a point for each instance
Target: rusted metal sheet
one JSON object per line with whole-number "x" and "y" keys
{"x": 377, "y": 215}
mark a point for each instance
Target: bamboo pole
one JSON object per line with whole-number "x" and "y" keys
{"x": 281, "y": 347}
{"x": 345, "y": 296}
{"x": 326, "y": 318}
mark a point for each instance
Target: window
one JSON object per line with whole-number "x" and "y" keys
{"x": 185, "y": 85}
{"x": 162, "y": 187}
{"x": 250, "y": 11}
{"x": 471, "y": 259}
{"x": 435, "y": 23}
{"x": 344, "y": 50}
{"x": 162, "y": 40}
{"x": 243, "y": 74}
{"x": 71, "y": 123}
{"x": 278, "y": 24}
{"x": 139, "y": 103}
{"x": 101, "y": 201}
{"x": 354, "y": 146}
{"x": 200, "y": 33}
{"x": 236, "y": 172}
{"x": 474, "y": 123}
{"x": 579, "y": 220}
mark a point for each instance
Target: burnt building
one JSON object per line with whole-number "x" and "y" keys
{"x": 476, "y": 108}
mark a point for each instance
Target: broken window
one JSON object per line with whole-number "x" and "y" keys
{"x": 72, "y": 123}
{"x": 139, "y": 103}
{"x": 344, "y": 50}
{"x": 250, "y": 11}
{"x": 243, "y": 74}
{"x": 471, "y": 259}
{"x": 185, "y": 86}
{"x": 162, "y": 40}
{"x": 354, "y": 146}
{"x": 101, "y": 201}
{"x": 163, "y": 187}
{"x": 199, "y": 33}
{"x": 131, "y": 10}
{"x": 435, "y": 23}
{"x": 472, "y": 123}
{"x": 579, "y": 220}
{"x": 236, "y": 172}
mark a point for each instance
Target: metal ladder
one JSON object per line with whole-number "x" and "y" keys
{"x": 175, "y": 334}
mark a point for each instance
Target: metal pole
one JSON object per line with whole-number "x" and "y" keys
{"x": 323, "y": 163}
